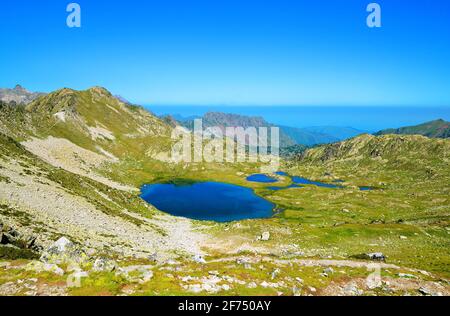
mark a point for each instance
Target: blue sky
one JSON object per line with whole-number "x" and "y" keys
{"x": 234, "y": 52}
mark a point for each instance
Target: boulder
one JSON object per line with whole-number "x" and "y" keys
{"x": 38, "y": 266}
{"x": 375, "y": 256}
{"x": 104, "y": 265}
{"x": 63, "y": 251}
{"x": 136, "y": 274}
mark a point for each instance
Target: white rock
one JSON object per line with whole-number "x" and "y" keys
{"x": 265, "y": 236}
{"x": 199, "y": 259}
{"x": 61, "y": 245}
{"x": 226, "y": 287}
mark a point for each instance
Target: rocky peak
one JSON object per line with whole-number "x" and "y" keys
{"x": 19, "y": 88}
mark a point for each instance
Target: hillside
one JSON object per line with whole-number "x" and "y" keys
{"x": 72, "y": 163}
{"x": 433, "y": 129}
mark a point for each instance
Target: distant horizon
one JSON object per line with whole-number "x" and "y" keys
{"x": 365, "y": 118}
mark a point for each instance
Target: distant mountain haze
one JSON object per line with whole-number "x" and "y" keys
{"x": 19, "y": 95}
{"x": 289, "y": 136}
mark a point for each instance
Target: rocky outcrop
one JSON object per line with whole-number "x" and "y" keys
{"x": 16, "y": 245}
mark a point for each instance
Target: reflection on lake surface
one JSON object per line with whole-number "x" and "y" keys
{"x": 213, "y": 201}
{"x": 262, "y": 178}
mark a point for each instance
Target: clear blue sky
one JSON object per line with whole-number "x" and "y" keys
{"x": 239, "y": 52}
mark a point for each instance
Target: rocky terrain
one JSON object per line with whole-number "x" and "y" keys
{"x": 72, "y": 222}
{"x": 18, "y": 95}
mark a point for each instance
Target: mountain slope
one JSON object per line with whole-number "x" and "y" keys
{"x": 18, "y": 95}
{"x": 398, "y": 153}
{"x": 224, "y": 120}
{"x": 434, "y": 129}
{"x": 289, "y": 136}
{"x": 126, "y": 136}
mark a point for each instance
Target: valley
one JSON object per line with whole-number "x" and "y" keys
{"x": 73, "y": 164}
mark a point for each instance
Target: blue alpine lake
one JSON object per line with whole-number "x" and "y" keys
{"x": 212, "y": 201}
{"x": 262, "y": 178}
{"x": 297, "y": 181}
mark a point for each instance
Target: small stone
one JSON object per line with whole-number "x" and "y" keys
{"x": 275, "y": 273}
{"x": 226, "y": 287}
{"x": 353, "y": 290}
{"x": 153, "y": 257}
{"x": 252, "y": 285}
{"x": 407, "y": 276}
{"x": 199, "y": 259}
{"x": 328, "y": 270}
{"x": 265, "y": 236}
{"x": 403, "y": 237}
{"x": 104, "y": 265}
{"x": 425, "y": 291}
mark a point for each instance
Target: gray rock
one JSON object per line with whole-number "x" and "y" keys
{"x": 328, "y": 271}
{"x": 375, "y": 256}
{"x": 275, "y": 273}
{"x": 378, "y": 256}
{"x": 39, "y": 267}
{"x": 353, "y": 290}
{"x": 136, "y": 274}
{"x": 64, "y": 251}
{"x": 104, "y": 265}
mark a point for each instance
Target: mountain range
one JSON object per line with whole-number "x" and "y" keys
{"x": 289, "y": 136}
{"x": 73, "y": 163}
{"x": 19, "y": 95}
{"x": 434, "y": 129}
